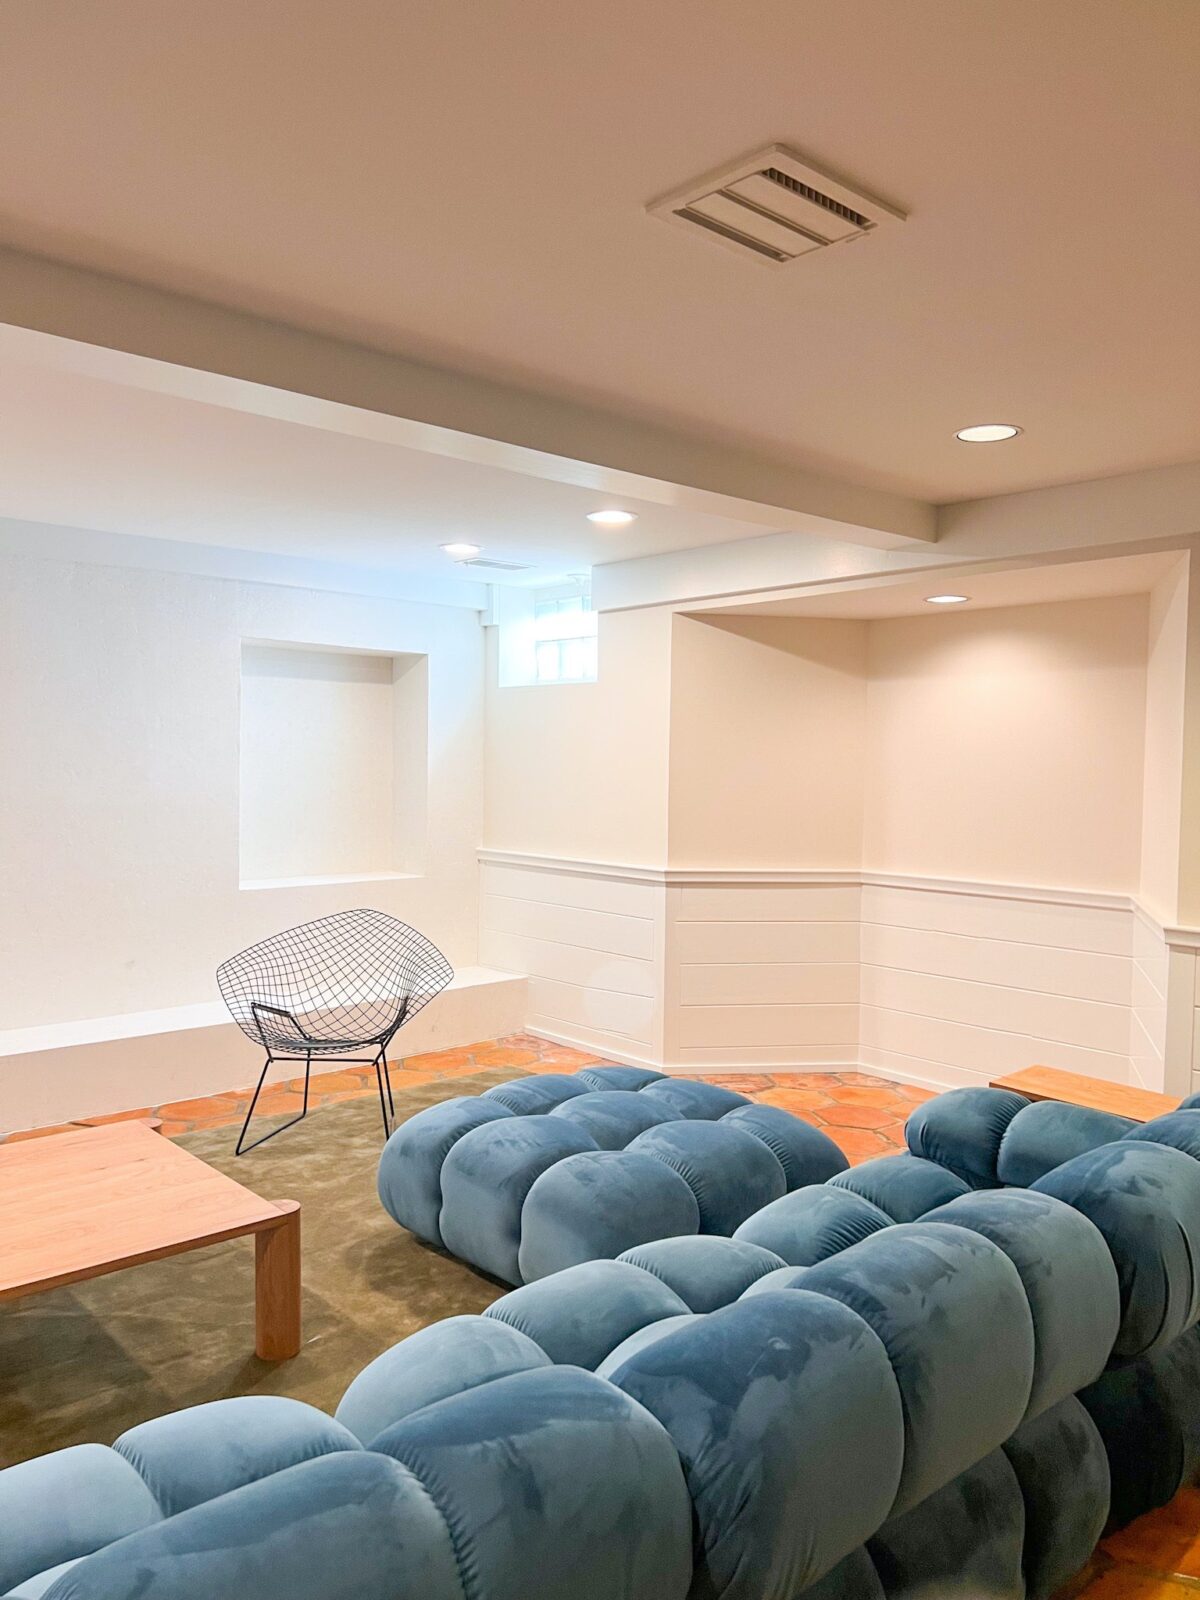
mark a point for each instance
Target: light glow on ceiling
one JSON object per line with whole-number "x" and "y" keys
{"x": 946, "y": 599}
{"x": 462, "y": 552}
{"x": 988, "y": 432}
{"x": 612, "y": 518}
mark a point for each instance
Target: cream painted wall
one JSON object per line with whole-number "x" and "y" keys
{"x": 119, "y": 804}
{"x": 767, "y": 726}
{"x": 580, "y": 770}
{"x": 1007, "y": 745}
{"x": 1162, "y": 794}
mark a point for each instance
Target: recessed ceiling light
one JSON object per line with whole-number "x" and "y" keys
{"x": 946, "y": 599}
{"x": 988, "y": 433}
{"x": 612, "y": 519}
{"x": 461, "y": 552}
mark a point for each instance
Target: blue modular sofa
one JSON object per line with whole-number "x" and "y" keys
{"x": 548, "y": 1171}
{"x": 923, "y": 1379}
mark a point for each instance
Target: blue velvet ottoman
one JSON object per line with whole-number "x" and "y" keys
{"x": 551, "y": 1171}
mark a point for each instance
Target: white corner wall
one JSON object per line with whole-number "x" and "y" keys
{"x": 119, "y": 820}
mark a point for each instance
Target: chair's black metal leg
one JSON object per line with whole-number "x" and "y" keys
{"x": 387, "y": 1078}
{"x": 244, "y": 1149}
{"x": 387, "y": 1127}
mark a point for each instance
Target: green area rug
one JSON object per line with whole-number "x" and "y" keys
{"x": 88, "y": 1362}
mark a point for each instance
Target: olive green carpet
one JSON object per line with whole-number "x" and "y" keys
{"x": 87, "y": 1362}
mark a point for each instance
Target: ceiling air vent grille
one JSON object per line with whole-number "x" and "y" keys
{"x": 775, "y": 206}
{"x": 484, "y": 564}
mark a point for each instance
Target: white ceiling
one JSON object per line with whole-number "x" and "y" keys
{"x": 79, "y": 451}
{"x": 985, "y": 590}
{"x": 468, "y": 184}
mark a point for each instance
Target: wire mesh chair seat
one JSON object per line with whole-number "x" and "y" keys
{"x": 345, "y": 982}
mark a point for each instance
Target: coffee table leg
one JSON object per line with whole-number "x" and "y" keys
{"x": 277, "y": 1287}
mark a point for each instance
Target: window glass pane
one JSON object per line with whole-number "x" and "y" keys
{"x": 549, "y": 668}
{"x": 572, "y": 602}
{"x": 574, "y": 658}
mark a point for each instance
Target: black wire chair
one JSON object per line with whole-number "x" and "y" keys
{"x": 342, "y": 983}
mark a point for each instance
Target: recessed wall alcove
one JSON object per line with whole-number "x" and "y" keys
{"x": 332, "y": 764}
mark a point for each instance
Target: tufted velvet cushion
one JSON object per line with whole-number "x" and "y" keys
{"x": 1046, "y": 1134}
{"x": 1145, "y": 1200}
{"x": 805, "y": 1153}
{"x": 191, "y": 1456}
{"x": 1062, "y": 1470}
{"x": 616, "y": 1077}
{"x": 613, "y": 1116}
{"x": 410, "y": 1169}
{"x": 432, "y": 1364}
{"x": 811, "y": 1223}
{"x": 330, "y": 1529}
{"x": 485, "y": 1179}
{"x": 690, "y": 1098}
{"x": 962, "y": 1130}
{"x": 1179, "y": 1129}
{"x": 788, "y": 1422}
{"x": 731, "y": 1173}
{"x": 537, "y": 1094}
{"x": 555, "y": 1484}
{"x": 903, "y": 1187}
{"x": 854, "y": 1578}
{"x": 1068, "y": 1277}
{"x": 648, "y": 1335}
{"x": 928, "y": 1290}
{"x": 597, "y": 1204}
{"x": 579, "y": 1315}
{"x": 962, "y": 1543}
{"x": 65, "y": 1505}
{"x": 705, "y": 1272}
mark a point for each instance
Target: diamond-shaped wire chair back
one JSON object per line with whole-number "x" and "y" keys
{"x": 332, "y": 985}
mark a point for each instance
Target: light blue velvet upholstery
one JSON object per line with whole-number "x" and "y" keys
{"x": 556, "y": 1485}
{"x": 788, "y": 1422}
{"x": 410, "y": 1170}
{"x": 343, "y": 1527}
{"x": 928, "y": 1290}
{"x": 616, "y": 1077}
{"x": 692, "y": 1099}
{"x": 811, "y": 1223}
{"x": 485, "y": 1179}
{"x": 904, "y": 1187}
{"x": 962, "y": 1131}
{"x": 537, "y": 1094}
{"x": 805, "y": 1153}
{"x": 191, "y": 1456}
{"x": 730, "y": 1172}
{"x": 1046, "y": 1134}
{"x": 66, "y": 1505}
{"x": 705, "y": 1272}
{"x": 965, "y": 1542}
{"x": 1068, "y": 1277}
{"x": 35, "y": 1588}
{"x": 614, "y": 1116}
{"x": 435, "y": 1362}
{"x": 854, "y": 1578}
{"x": 639, "y": 1340}
{"x": 579, "y": 1315}
{"x": 1179, "y": 1129}
{"x": 597, "y": 1204}
{"x": 1145, "y": 1200}
{"x": 601, "y": 1207}
{"x": 1062, "y": 1469}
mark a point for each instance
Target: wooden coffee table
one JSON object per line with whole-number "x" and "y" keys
{"x": 74, "y": 1206}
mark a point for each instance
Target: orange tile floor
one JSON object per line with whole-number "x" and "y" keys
{"x": 1155, "y": 1558}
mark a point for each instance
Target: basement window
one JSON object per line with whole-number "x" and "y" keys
{"x": 547, "y": 636}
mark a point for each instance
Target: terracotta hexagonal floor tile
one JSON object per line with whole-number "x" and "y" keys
{"x": 881, "y": 1096}
{"x": 860, "y": 1144}
{"x": 839, "y": 1116}
{"x": 796, "y": 1099}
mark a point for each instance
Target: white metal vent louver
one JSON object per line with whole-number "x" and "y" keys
{"x": 775, "y": 207}
{"x": 484, "y": 564}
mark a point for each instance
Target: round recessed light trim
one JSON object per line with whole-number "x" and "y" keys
{"x": 462, "y": 552}
{"x": 988, "y": 433}
{"x": 946, "y": 599}
{"x": 612, "y": 518}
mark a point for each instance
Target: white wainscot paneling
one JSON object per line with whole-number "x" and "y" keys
{"x": 1148, "y": 1004}
{"x": 1059, "y": 923}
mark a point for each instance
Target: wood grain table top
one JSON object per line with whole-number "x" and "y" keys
{"x": 80, "y": 1204}
{"x": 1075, "y": 1089}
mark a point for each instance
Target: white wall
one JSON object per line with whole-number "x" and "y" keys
{"x": 119, "y": 816}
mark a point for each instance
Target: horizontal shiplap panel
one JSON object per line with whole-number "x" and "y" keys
{"x": 758, "y": 983}
{"x": 572, "y": 889}
{"x": 991, "y": 1052}
{"x": 603, "y": 1010}
{"x": 1064, "y": 1020}
{"x": 1101, "y": 929}
{"x": 1079, "y": 974}
{"x": 570, "y": 963}
{"x": 799, "y": 1057}
{"x": 751, "y": 1026}
{"x": 769, "y": 902}
{"x": 590, "y": 930}
{"x": 765, "y": 941}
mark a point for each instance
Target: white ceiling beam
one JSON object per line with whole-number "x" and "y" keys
{"x": 150, "y": 338}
